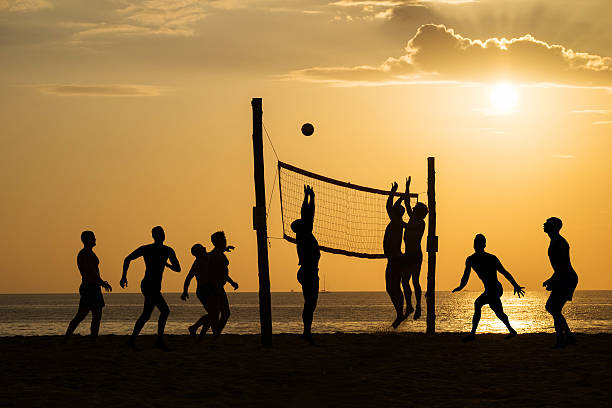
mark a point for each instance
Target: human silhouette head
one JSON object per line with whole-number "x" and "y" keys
{"x": 553, "y": 225}
{"x": 88, "y": 239}
{"x": 297, "y": 226}
{"x": 480, "y": 242}
{"x": 198, "y": 250}
{"x": 158, "y": 234}
{"x": 218, "y": 239}
{"x": 420, "y": 211}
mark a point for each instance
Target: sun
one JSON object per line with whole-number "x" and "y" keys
{"x": 504, "y": 98}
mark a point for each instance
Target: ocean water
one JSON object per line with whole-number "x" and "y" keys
{"x": 348, "y": 312}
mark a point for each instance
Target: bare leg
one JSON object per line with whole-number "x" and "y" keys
{"x": 497, "y": 307}
{"x": 224, "y": 309}
{"x": 310, "y": 291}
{"x": 554, "y": 306}
{"x": 478, "y": 304}
{"x": 392, "y": 281}
{"x": 77, "y": 319}
{"x": 96, "y": 317}
{"x": 405, "y": 281}
{"x": 149, "y": 304}
{"x": 416, "y": 276}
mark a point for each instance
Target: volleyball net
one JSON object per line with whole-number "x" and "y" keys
{"x": 349, "y": 219}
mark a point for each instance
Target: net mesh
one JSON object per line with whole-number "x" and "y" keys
{"x": 349, "y": 219}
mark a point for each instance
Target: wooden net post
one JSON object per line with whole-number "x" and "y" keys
{"x": 259, "y": 225}
{"x": 432, "y": 247}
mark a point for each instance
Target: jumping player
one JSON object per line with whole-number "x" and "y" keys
{"x": 392, "y": 246}
{"x": 156, "y": 257}
{"x": 308, "y": 257}
{"x": 91, "y": 294}
{"x": 486, "y": 266}
{"x": 413, "y": 257}
{"x": 562, "y": 283}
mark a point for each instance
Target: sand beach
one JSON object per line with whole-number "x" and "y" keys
{"x": 363, "y": 370}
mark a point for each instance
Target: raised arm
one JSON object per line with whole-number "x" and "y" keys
{"x": 465, "y": 277}
{"x": 407, "y": 197}
{"x": 518, "y": 290}
{"x": 174, "y": 263}
{"x": 126, "y": 264}
{"x": 308, "y": 207}
{"x": 390, "y": 200}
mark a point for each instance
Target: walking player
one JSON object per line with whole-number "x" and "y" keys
{"x": 91, "y": 294}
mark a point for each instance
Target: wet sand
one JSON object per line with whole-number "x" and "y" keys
{"x": 363, "y": 370}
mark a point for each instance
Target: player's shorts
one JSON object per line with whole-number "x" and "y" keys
{"x": 413, "y": 259}
{"x": 308, "y": 276}
{"x": 395, "y": 267}
{"x": 91, "y": 296}
{"x": 205, "y": 292}
{"x": 565, "y": 287}
{"x": 493, "y": 294}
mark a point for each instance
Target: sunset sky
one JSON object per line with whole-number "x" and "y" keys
{"x": 120, "y": 115}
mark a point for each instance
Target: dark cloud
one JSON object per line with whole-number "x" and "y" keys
{"x": 438, "y": 53}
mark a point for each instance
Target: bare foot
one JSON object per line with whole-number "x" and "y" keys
{"x": 511, "y": 335}
{"x": 192, "y": 331}
{"x": 398, "y": 320}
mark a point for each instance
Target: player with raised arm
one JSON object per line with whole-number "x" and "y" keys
{"x": 486, "y": 266}
{"x": 91, "y": 282}
{"x": 562, "y": 283}
{"x": 413, "y": 256}
{"x": 157, "y": 257}
{"x": 308, "y": 259}
{"x": 392, "y": 246}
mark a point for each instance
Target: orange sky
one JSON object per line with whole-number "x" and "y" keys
{"x": 129, "y": 114}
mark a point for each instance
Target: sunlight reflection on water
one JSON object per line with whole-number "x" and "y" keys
{"x": 349, "y": 312}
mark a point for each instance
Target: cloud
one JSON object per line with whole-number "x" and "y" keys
{"x": 437, "y": 53}
{"x": 603, "y": 122}
{"x": 24, "y": 6}
{"x": 594, "y": 111}
{"x": 148, "y": 17}
{"x": 100, "y": 90}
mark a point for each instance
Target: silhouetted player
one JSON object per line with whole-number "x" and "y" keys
{"x": 308, "y": 256}
{"x": 156, "y": 257}
{"x": 218, "y": 276}
{"x": 562, "y": 283}
{"x": 486, "y": 266}
{"x": 413, "y": 234}
{"x": 392, "y": 246}
{"x": 91, "y": 294}
{"x": 204, "y": 290}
